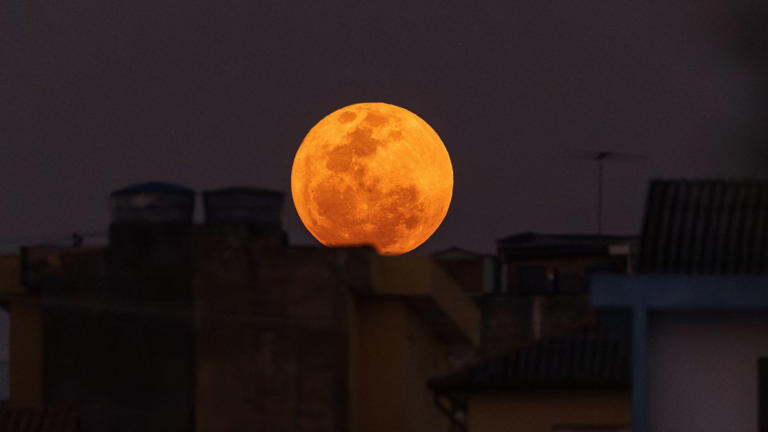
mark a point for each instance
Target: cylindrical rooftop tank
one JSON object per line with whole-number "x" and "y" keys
{"x": 244, "y": 205}
{"x": 153, "y": 202}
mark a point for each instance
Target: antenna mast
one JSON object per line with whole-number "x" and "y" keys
{"x": 599, "y": 157}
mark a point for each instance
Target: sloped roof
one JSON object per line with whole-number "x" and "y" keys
{"x": 455, "y": 252}
{"x": 586, "y": 360}
{"x": 705, "y": 227}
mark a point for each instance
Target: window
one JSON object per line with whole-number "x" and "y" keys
{"x": 536, "y": 280}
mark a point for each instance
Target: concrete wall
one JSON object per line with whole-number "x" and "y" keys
{"x": 126, "y": 370}
{"x": 543, "y": 411}
{"x": 218, "y": 328}
{"x": 507, "y": 322}
{"x": 475, "y": 274}
{"x": 512, "y": 321}
{"x": 26, "y": 354}
{"x": 5, "y": 375}
{"x": 111, "y": 331}
{"x": 10, "y": 275}
{"x": 9, "y": 284}
{"x": 432, "y": 293}
{"x": 272, "y": 338}
{"x": 395, "y": 355}
{"x": 571, "y": 269}
{"x": 703, "y": 371}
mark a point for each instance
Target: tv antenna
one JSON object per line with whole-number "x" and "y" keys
{"x": 600, "y": 157}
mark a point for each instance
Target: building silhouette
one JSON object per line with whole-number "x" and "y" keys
{"x": 548, "y": 362}
{"x": 698, "y": 307}
{"x": 224, "y": 326}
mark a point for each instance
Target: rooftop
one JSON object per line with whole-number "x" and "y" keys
{"x": 533, "y": 244}
{"x": 587, "y": 360}
{"x": 705, "y": 227}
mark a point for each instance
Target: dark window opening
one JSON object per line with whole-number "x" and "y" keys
{"x": 537, "y": 280}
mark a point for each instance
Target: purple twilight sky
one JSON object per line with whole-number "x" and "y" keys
{"x": 99, "y": 94}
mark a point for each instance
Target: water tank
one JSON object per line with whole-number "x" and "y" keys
{"x": 153, "y": 202}
{"x": 244, "y": 205}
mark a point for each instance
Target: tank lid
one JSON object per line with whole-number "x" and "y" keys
{"x": 248, "y": 205}
{"x": 243, "y": 190}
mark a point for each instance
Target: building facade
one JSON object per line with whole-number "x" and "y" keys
{"x": 575, "y": 382}
{"x": 699, "y": 308}
{"x": 220, "y": 326}
{"x": 548, "y": 362}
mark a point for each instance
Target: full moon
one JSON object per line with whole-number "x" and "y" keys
{"x": 372, "y": 174}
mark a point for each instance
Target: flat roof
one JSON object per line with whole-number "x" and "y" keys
{"x": 680, "y": 291}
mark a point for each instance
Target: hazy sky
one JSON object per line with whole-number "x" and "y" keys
{"x": 96, "y": 94}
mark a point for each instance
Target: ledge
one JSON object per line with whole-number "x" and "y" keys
{"x": 439, "y": 300}
{"x": 675, "y": 291}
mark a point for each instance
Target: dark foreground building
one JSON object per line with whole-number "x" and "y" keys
{"x": 699, "y": 306}
{"x": 223, "y": 326}
{"x": 548, "y": 361}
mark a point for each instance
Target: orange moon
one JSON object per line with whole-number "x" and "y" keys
{"x": 372, "y": 174}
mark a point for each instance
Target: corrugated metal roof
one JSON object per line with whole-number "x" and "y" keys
{"x": 590, "y": 359}
{"x": 705, "y": 227}
{"x": 31, "y": 419}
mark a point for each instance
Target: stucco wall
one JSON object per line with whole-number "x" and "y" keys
{"x": 271, "y": 339}
{"x": 5, "y": 333}
{"x": 395, "y": 355}
{"x": 542, "y": 411}
{"x": 703, "y": 371}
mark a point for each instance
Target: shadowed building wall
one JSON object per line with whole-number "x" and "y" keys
{"x": 117, "y": 339}
{"x": 550, "y": 411}
{"x": 396, "y": 354}
{"x": 224, "y": 327}
{"x": 579, "y": 381}
{"x": 704, "y": 372}
{"x": 698, "y": 307}
{"x": 272, "y": 336}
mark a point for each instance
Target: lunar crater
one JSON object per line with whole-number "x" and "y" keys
{"x": 372, "y": 174}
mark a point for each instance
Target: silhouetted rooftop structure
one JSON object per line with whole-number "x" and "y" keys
{"x": 222, "y": 325}
{"x": 153, "y": 202}
{"x": 698, "y": 310}
{"x": 705, "y": 227}
{"x": 153, "y": 187}
{"x": 455, "y": 252}
{"x": 244, "y": 204}
{"x": 590, "y": 359}
{"x": 534, "y": 244}
{"x": 476, "y": 273}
